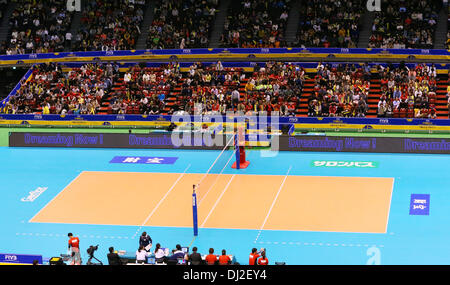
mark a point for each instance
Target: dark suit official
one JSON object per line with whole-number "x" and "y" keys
{"x": 195, "y": 258}
{"x": 113, "y": 258}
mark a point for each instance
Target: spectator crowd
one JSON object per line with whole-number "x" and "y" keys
{"x": 405, "y": 24}
{"x": 330, "y": 23}
{"x": 110, "y": 25}
{"x": 38, "y": 26}
{"x": 52, "y": 91}
{"x": 256, "y": 24}
{"x": 340, "y": 91}
{"x": 182, "y": 24}
{"x": 408, "y": 92}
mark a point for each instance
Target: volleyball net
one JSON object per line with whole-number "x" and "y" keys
{"x": 232, "y": 156}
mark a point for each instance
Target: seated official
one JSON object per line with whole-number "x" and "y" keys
{"x": 177, "y": 253}
{"x": 224, "y": 259}
{"x": 195, "y": 258}
{"x": 160, "y": 255}
{"x": 113, "y": 258}
{"x": 211, "y": 258}
{"x": 141, "y": 255}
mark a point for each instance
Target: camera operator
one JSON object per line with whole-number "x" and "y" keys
{"x": 90, "y": 252}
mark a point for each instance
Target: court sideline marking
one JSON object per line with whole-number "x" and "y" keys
{"x": 273, "y": 203}
{"x": 73, "y": 180}
{"x": 217, "y": 201}
{"x": 390, "y": 203}
{"x": 162, "y": 200}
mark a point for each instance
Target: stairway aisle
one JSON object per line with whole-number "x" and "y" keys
{"x": 219, "y": 23}
{"x": 4, "y": 25}
{"x": 141, "y": 43}
{"x": 366, "y": 29}
{"x": 440, "y": 37}
{"x": 293, "y": 22}
{"x": 75, "y": 27}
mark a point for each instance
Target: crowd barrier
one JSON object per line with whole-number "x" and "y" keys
{"x": 134, "y": 141}
{"x": 372, "y": 54}
{"x": 143, "y": 121}
{"x": 365, "y": 144}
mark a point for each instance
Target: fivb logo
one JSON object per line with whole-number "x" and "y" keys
{"x": 74, "y": 5}
{"x": 374, "y": 5}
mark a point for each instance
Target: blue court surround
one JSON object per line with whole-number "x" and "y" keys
{"x": 409, "y": 239}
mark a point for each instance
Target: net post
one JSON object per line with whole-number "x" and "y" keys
{"x": 238, "y": 153}
{"x": 194, "y": 212}
{"x": 240, "y": 141}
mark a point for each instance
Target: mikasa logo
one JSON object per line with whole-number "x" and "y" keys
{"x": 34, "y": 194}
{"x": 74, "y": 5}
{"x": 374, "y": 5}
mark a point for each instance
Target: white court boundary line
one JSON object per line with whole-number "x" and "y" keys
{"x": 46, "y": 205}
{"x": 217, "y": 201}
{"x": 274, "y": 201}
{"x": 390, "y": 205}
{"x": 162, "y": 200}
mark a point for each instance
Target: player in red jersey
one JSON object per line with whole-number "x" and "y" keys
{"x": 254, "y": 256}
{"x": 74, "y": 247}
{"x": 263, "y": 260}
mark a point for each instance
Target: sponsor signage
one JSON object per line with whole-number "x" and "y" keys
{"x": 344, "y": 164}
{"x": 188, "y": 140}
{"x": 365, "y": 144}
{"x": 143, "y": 160}
{"x": 420, "y": 205}
{"x": 33, "y": 195}
{"x": 19, "y": 259}
{"x": 135, "y": 141}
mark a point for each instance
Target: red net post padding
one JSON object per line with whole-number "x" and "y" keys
{"x": 241, "y": 158}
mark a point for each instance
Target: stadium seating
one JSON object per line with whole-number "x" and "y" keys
{"x": 405, "y": 24}
{"x": 342, "y": 90}
{"x": 38, "y": 27}
{"x": 108, "y": 25}
{"x": 256, "y": 23}
{"x": 46, "y": 26}
{"x": 325, "y": 23}
{"x": 181, "y": 24}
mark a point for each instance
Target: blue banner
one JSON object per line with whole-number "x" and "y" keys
{"x": 143, "y": 160}
{"x": 19, "y": 259}
{"x": 368, "y": 122}
{"x": 219, "y": 51}
{"x": 420, "y": 204}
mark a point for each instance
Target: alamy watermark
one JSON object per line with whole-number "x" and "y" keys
{"x": 74, "y": 5}
{"x": 209, "y": 130}
{"x": 373, "y": 5}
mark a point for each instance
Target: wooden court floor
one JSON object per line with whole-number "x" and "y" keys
{"x": 255, "y": 202}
